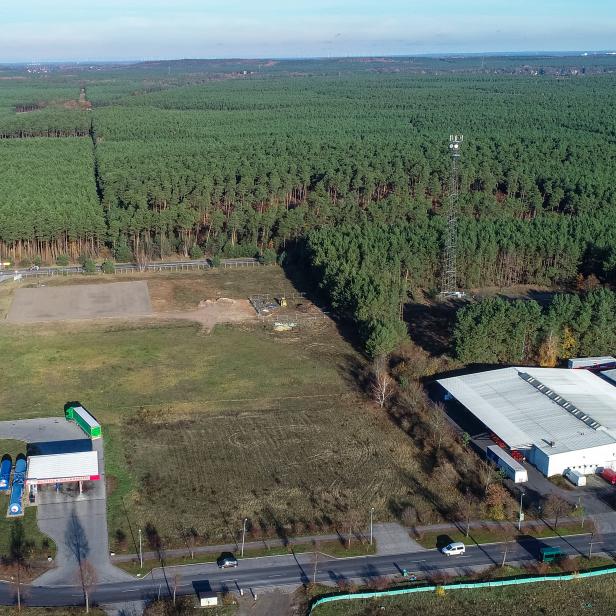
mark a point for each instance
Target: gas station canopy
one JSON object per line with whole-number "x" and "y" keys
{"x": 62, "y": 468}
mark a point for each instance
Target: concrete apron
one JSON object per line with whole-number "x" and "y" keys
{"x": 78, "y": 525}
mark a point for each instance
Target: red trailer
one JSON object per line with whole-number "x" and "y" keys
{"x": 609, "y": 475}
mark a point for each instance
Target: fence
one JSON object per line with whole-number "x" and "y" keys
{"x": 565, "y": 577}
{"x": 131, "y": 268}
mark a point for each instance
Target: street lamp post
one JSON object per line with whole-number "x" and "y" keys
{"x": 592, "y": 536}
{"x": 520, "y": 515}
{"x": 140, "y": 552}
{"x": 244, "y": 535}
{"x": 371, "y": 513}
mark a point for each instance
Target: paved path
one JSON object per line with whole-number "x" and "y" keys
{"x": 84, "y": 301}
{"x": 227, "y": 547}
{"x": 48, "y": 429}
{"x": 392, "y": 538}
{"x": 273, "y": 603}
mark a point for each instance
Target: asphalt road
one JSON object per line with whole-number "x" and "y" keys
{"x": 259, "y": 573}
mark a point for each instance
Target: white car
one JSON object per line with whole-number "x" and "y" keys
{"x": 453, "y": 549}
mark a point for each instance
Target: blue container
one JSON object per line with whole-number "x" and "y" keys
{"x": 16, "y": 507}
{"x": 5, "y": 474}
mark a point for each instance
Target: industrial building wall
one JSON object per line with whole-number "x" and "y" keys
{"x": 539, "y": 460}
{"x": 585, "y": 461}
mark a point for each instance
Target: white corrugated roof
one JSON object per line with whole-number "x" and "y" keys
{"x": 523, "y": 416}
{"x": 63, "y": 465}
{"x": 86, "y": 416}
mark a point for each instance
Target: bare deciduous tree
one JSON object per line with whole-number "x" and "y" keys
{"x": 353, "y": 520}
{"x": 556, "y": 507}
{"x": 88, "y": 579}
{"x": 18, "y": 550}
{"x": 466, "y": 510}
{"x": 487, "y": 474}
{"x": 508, "y": 538}
{"x": 438, "y": 423}
{"x": 382, "y": 383}
{"x": 190, "y": 536}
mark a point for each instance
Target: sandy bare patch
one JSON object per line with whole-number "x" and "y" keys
{"x": 91, "y": 301}
{"x": 212, "y": 312}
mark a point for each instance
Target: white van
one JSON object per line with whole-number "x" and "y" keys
{"x": 577, "y": 479}
{"x": 453, "y": 549}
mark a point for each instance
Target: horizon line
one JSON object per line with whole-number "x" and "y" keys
{"x": 547, "y": 53}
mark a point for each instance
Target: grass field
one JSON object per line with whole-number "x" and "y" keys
{"x": 41, "y": 545}
{"x": 202, "y": 430}
{"x": 593, "y": 596}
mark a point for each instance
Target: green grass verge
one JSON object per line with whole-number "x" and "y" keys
{"x": 482, "y": 535}
{"x": 329, "y": 548}
{"x": 593, "y": 596}
{"x": 41, "y": 545}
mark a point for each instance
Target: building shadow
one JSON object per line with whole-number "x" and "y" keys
{"x": 55, "y": 447}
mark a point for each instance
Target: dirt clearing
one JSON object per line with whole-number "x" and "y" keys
{"x": 91, "y": 301}
{"x": 213, "y": 312}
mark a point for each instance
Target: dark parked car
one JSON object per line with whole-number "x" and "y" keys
{"x": 226, "y": 560}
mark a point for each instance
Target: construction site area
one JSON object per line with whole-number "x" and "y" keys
{"x": 239, "y": 359}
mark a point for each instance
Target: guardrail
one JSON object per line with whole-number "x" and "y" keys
{"x": 565, "y": 577}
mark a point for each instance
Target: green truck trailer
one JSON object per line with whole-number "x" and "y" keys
{"x": 84, "y": 420}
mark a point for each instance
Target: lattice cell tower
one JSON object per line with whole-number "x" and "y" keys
{"x": 449, "y": 286}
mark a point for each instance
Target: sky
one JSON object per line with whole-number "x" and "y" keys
{"x": 71, "y": 30}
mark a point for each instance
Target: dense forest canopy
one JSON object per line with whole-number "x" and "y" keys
{"x": 497, "y": 330}
{"x": 343, "y": 160}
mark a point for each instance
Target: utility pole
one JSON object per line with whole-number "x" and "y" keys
{"x": 140, "y": 552}
{"x": 521, "y": 515}
{"x": 449, "y": 286}
{"x": 244, "y": 535}
{"x": 371, "y": 514}
{"x": 316, "y": 562}
{"x": 592, "y": 535}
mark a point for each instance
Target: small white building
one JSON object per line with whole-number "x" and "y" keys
{"x": 558, "y": 418}
{"x": 208, "y": 598}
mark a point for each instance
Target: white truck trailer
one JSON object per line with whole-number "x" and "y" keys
{"x": 512, "y": 469}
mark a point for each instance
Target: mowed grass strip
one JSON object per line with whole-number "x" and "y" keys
{"x": 116, "y": 369}
{"x": 592, "y": 596}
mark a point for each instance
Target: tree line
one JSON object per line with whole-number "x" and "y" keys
{"x": 497, "y": 330}
{"x": 349, "y": 172}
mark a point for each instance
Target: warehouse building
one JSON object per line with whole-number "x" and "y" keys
{"x": 557, "y": 418}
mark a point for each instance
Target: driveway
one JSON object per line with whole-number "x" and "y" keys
{"x": 76, "y": 522}
{"x": 78, "y": 525}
